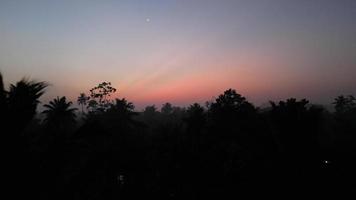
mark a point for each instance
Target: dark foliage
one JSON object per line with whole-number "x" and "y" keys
{"x": 228, "y": 148}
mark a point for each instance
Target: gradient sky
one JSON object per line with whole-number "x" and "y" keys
{"x": 183, "y": 51}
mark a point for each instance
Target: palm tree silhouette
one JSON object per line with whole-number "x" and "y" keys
{"x": 22, "y": 100}
{"x": 17, "y": 109}
{"x": 82, "y": 101}
{"x": 59, "y": 113}
{"x": 122, "y": 110}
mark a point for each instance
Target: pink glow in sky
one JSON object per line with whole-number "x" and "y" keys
{"x": 187, "y": 51}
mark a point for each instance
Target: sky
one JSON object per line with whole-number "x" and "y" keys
{"x": 182, "y": 51}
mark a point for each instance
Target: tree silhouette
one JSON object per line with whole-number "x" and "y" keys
{"x": 121, "y": 111}
{"x": 82, "y": 101}
{"x": 167, "y": 108}
{"x": 149, "y": 111}
{"x": 92, "y": 106}
{"x": 122, "y": 106}
{"x": 289, "y": 121}
{"x": 195, "y": 117}
{"x": 344, "y": 104}
{"x": 345, "y": 126}
{"x": 296, "y": 127}
{"x": 100, "y": 97}
{"x": 59, "y": 113}
{"x": 23, "y": 98}
{"x": 17, "y": 109}
{"x": 178, "y": 153}
{"x": 231, "y": 111}
{"x": 233, "y": 101}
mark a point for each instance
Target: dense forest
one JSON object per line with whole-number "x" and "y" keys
{"x": 108, "y": 150}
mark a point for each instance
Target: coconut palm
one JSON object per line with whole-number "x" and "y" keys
{"x": 17, "y": 109}
{"x": 22, "y": 100}
{"x": 120, "y": 114}
{"x": 59, "y": 113}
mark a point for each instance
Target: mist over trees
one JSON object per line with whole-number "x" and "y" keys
{"x": 228, "y": 147}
